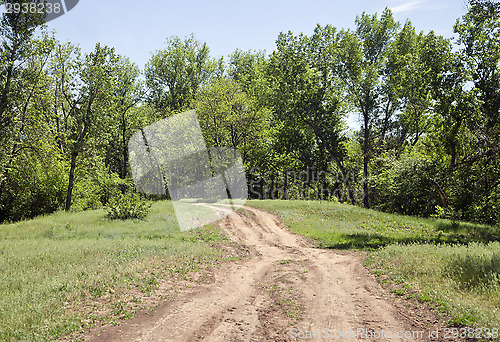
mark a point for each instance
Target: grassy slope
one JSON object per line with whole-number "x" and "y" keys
{"x": 455, "y": 266}
{"x": 57, "y": 270}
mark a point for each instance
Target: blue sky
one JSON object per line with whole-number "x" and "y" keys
{"x": 138, "y": 28}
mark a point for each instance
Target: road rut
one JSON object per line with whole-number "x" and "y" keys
{"x": 287, "y": 291}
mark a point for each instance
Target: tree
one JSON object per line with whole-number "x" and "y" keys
{"x": 83, "y": 89}
{"x": 361, "y": 58}
{"x": 406, "y": 91}
{"x": 16, "y": 30}
{"x": 249, "y": 70}
{"x": 31, "y": 172}
{"x": 17, "y": 48}
{"x": 126, "y": 118}
{"x": 304, "y": 100}
{"x": 228, "y": 117}
{"x": 479, "y": 42}
{"x": 173, "y": 75}
{"x": 479, "y": 36}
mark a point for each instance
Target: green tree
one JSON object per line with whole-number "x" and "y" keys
{"x": 407, "y": 90}
{"x": 174, "y": 74}
{"x": 361, "y": 57}
{"x": 249, "y": 70}
{"x": 17, "y": 30}
{"x": 31, "y": 172}
{"x": 305, "y": 102}
{"x": 126, "y": 118}
{"x": 478, "y": 169}
{"x": 83, "y": 91}
{"x": 229, "y": 118}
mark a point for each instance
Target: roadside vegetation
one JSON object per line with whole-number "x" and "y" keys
{"x": 452, "y": 266}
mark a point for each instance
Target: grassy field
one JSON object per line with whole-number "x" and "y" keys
{"x": 452, "y": 266}
{"x": 68, "y": 271}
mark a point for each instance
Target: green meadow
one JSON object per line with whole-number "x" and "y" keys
{"x": 59, "y": 271}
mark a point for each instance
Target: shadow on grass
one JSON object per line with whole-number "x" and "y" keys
{"x": 476, "y": 233}
{"x": 372, "y": 241}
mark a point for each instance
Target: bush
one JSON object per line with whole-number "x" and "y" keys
{"x": 33, "y": 184}
{"x": 404, "y": 186}
{"x": 95, "y": 185}
{"x": 128, "y": 206}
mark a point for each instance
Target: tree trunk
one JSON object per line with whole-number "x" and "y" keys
{"x": 366, "y": 158}
{"x": 5, "y": 91}
{"x": 330, "y": 150}
{"x": 444, "y": 199}
{"x": 125, "y": 152}
{"x": 69, "y": 194}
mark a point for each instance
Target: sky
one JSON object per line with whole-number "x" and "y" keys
{"x": 139, "y": 28}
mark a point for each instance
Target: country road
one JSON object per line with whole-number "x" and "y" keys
{"x": 287, "y": 291}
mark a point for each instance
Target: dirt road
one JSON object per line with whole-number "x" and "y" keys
{"x": 288, "y": 291}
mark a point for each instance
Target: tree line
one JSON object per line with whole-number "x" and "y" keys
{"x": 428, "y": 108}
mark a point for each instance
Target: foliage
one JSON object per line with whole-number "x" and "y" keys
{"x": 307, "y": 111}
{"x": 128, "y": 206}
{"x": 360, "y": 64}
{"x": 34, "y": 184}
{"x": 127, "y": 115}
{"x": 404, "y": 186}
{"x": 229, "y": 117}
{"x": 96, "y": 185}
{"x": 173, "y": 75}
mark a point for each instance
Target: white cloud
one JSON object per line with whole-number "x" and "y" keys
{"x": 409, "y": 6}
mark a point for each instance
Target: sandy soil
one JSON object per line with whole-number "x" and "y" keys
{"x": 287, "y": 291}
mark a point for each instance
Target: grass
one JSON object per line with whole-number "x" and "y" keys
{"x": 57, "y": 271}
{"x": 461, "y": 279}
{"x": 452, "y": 266}
{"x": 340, "y": 226}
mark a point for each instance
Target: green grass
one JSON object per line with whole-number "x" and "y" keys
{"x": 54, "y": 268}
{"x": 341, "y": 226}
{"x": 461, "y": 280}
{"x": 453, "y": 266}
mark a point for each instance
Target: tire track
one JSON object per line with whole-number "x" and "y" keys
{"x": 287, "y": 287}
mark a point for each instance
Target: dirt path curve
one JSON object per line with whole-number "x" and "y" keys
{"x": 288, "y": 291}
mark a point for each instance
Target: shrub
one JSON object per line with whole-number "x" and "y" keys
{"x": 128, "y": 206}
{"x": 404, "y": 186}
{"x": 33, "y": 184}
{"x": 95, "y": 185}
